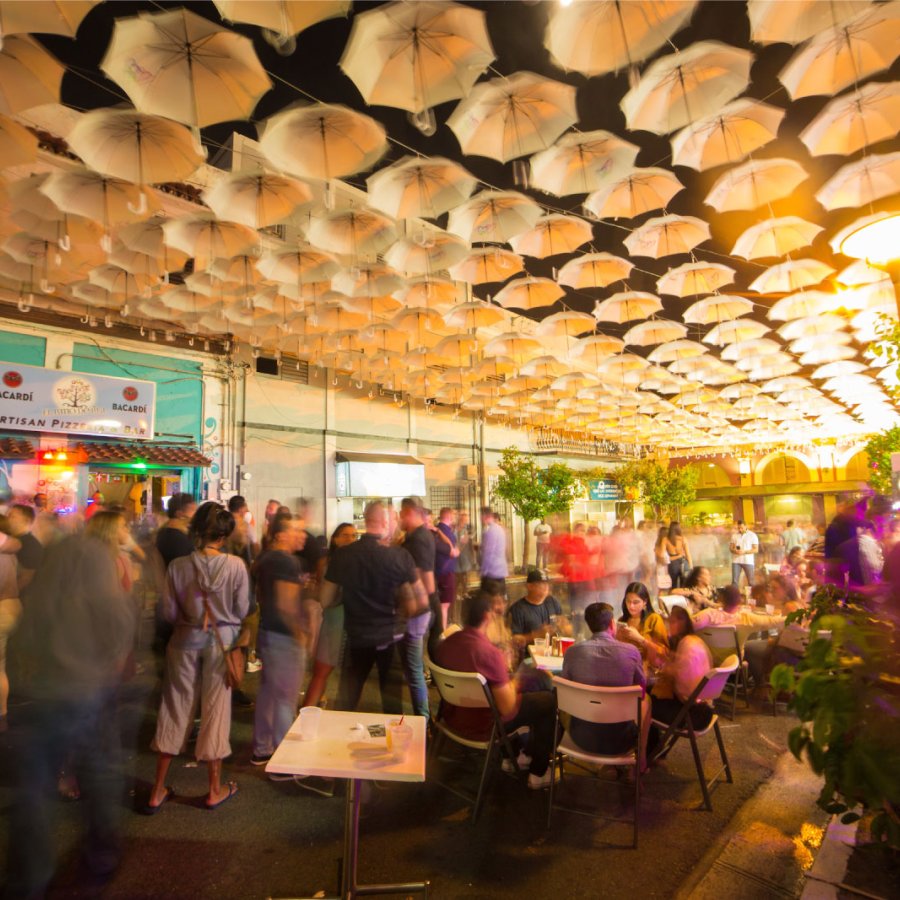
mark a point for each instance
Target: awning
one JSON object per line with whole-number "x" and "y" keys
{"x": 11, "y": 448}
{"x": 179, "y": 456}
{"x": 396, "y": 458}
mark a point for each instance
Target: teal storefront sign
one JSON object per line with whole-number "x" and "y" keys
{"x": 604, "y": 489}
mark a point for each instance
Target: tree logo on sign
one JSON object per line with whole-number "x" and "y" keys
{"x": 74, "y": 393}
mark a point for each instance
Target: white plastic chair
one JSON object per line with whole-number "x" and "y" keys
{"x": 673, "y": 600}
{"x": 725, "y": 637}
{"x": 709, "y": 690}
{"x": 469, "y": 690}
{"x": 599, "y": 705}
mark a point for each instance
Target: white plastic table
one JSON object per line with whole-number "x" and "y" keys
{"x": 335, "y": 753}
{"x": 546, "y": 663}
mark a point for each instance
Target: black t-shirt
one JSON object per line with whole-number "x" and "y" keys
{"x": 274, "y": 566}
{"x": 30, "y": 553}
{"x": 369, "y": 574}
{"x": 172, "y": 543}
{"x": 419, "y": 543}
{"x": 525, "y": 617}
{"x": 310, "y": 555}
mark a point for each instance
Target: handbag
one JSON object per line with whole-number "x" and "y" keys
{"x": 234, "y": 657}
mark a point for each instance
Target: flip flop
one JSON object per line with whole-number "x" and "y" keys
{"x": 232, "y": 790}
{"x": 150, "y": 810}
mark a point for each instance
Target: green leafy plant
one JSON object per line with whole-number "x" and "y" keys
{"x": 535, "y": 492}
{"x": 879, "y": 450}
{"x": 665, "y": 488}
{"x": 846, "y": 693}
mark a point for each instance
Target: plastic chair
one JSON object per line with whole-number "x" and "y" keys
{"x": 725, "y": 637}
{"x": 667, "y": 603}
{"x": 600, "y": 705}
{"x": 709, "y": 689}
{"x": 470, "y": 690}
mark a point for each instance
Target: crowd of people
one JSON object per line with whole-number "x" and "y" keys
{"x": 277, "y": 601}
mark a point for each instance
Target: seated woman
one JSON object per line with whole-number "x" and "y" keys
{"x": 640, "y": 626}
{"x": 698, "y": 587}
{"x": 791, "y": 562}
{"x": 688, "y": 662}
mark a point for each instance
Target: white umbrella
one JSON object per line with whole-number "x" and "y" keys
{"x": 755, "y": 183}
{"x": 777, "y": 385}
{"x": 678, "y": 349}
{"x": 486, "y": 265}
{"x": 693, "y": 278}
{"x": 594, "y": 348}
{"x": 493, "y": 217}
{"x": 580, "y": 161}
{"x": 529, "y": 293}
{"x": 667, "y": 236}
{"x": 845, "y": 55}
{"x": 737, "y": 391}
{"x": 827, "y": 353}
{"x": 431, "y": 252}
{"x": 29, "y": 75}
{"x": 654, "y": 331}
{"x": 17, "y": 144}
{"x": 509, "y": 117}
{"x": 802, "y": 304}
{"x": 434, "y": 293}
{"x": 474, "y": 314}
{"x": 686, "y": 86}
{"x": 856, "y": 120}
{"x": 414, "y": 56}
{"x": 791, "y": 275}
{"x": 775, "y": 237}
{"x": 824, "y": 324}
{"x": 861, "y": 183}
{"x": 751, "y": 348}
{"x": 718, "y": 308}
{"x": 518, "y": 347}
{"x": 633, "y": 192}
{"x": 778, "y": 22}
{"x": 208, "y": 240}
{"x": 366, "y": 281}
{"x": 735, "y": 331}
{"x": 860, "y": 272}
{"x": 803, "y": 345}
{"x": 552, "y": 235}
{"x": 282, "y": 17}
{"x": 179, "y": 65}
{"x": 417, "y": 186}
{"x": 727, "y": 136}
{"x": 302, "y": 266}
{"x": 595, "y": 38}
{"x": 566, "y": 324}
{"x": 627, "y": 306}
{"x": 323, "y": 141}
{"x": 594, "y": 270}
{"x": 256, "y": 200}
{"x": 352, "y": 232}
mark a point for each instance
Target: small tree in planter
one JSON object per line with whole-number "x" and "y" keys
{"x": 535, "y": 492}
{"x": 665, "y": 488}
{"x": 879, "y": 450}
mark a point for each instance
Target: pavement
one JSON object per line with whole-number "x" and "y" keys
{"x": 276, "y": 840}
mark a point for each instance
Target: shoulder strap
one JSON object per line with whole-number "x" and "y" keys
{"x": 211, "y": 623}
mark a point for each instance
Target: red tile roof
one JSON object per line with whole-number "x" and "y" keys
{"x": 180, "y": 456}
{"x": 12, "y": 448}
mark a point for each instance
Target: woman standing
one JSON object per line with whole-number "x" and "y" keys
{"x": 206, "y": 592}
{"x": 679, "y": 554}
{"x": 663, "y": 581}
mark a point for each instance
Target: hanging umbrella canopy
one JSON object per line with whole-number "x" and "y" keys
{"x": 809, "y": 342}
{"x": 755, "y": 183}
{"x": 283, "y": 17}
{"x": 823, "y": 324}
{"x": 654, "y": 331}
{"x": 786, "y": 383}
{"x": 566, "y": 324}
{"x": 44, "y": 17}
{"x": 419, "y": 187}
{"x": 543, "y": 367}
{"x": 580, "y": 161}
{"x": 424, "y": 327}
{"x": 737, "y": 391}
{"x": 676, "y": 349}
{"x": 838, "y": 57}
{"x": 474, "y": 314}
{"x": 437, "y": 294}
{"x": 183, "y": 300}
{"x": 686, "y": 86}
{"x": 590, "y": 351}
{"x": 627, "y": 306}
{"x": 751, "y": 348}
{"x": 791, "y": 275}
{"x": 493, "y": 217}
{"x": 414, "y": 56}
{"x": 690, "y": 279}
{"x": 302, "y": 266}
{"x": 137, "y": 263}
{"x": 372, "y": 307}
{"x": 372, "y": 280}
{"x": 120, "y": 281}
{"x": 861, "y": 183}
{"x": 667, "y": 236}
{"x": 322, "y": 141}
{"x": 860, "y": 272}
{"x": 18, "y": 145}
{"x": 594, "y": 270}
{"x": 529, "y": 293}
{"x": 735, "y": 332}
{"x": 595, "y": 38}
{"x": 462, "y": 349}
{"x": 516, "y": 346}
{"x": 777, "y": 22}
{"x": 633, "y": 192}
{"x": 487, "y": 265}
{"x": 179, "y": 65}
{"x": 509, "y": 117}
{"x": 552, "y": 235}
{"x": 256, "y": 200}
{"x": 431, "y": 251}
{"x": 207, "y": 240}
{"x": 827, "y": 353}
{"x": 856, "y": 120}
{"x": 29, "y": 75}
{"x": 775, "y": 237}
{"x": 108, "y": 201}
{"x": 727, "y": 136}
{"x": 801, "y": 305}
{"x": 352, "y": 232}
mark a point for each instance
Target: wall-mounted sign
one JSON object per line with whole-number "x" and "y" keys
{"x": 36, "y": 399}
{"x": 604, "y": 489}
{"x": 378, "y": 475}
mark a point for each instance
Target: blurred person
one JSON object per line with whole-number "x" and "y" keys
{"x": 243, "y": 540}
{"x": 331, "y": 634}
{"x": 94, "y": 505}
{"x": 493, "y": 546}
{"x": 207, "y": 590}
{"x": 173, "y": 540}
{"x": 851, "y": 511}
{"x": 272, "y": 508}
{"x": 744, "y": 546}
{"x": 640, "y": 626}
{"x": 793, "y": 559}
{"x": 603, "y": 661}
{"x": 446, "y": 555}
{"x": 46, "y": 526}
{"x": 698, "y": 587}
{"x": 242, "y": 543}
{"x": 542, "y": 534}
{"x": 862, "y": 557}
{"x": 10, "y": 613}
{"x": 465, "y": 562}
{"x": 793, "y": 538}
{"x": 732, "y": 613}
{"x": 469, "y": 650}
{"x": 497, "y": 630}
{"x": 75, "y": 634}
{"x": 891, "y": 536}
{"x": 283, "y": 636}
{"x": 663, "y": 579}
{"x": 575, "y": 569}
{"x": 376, "y": 583}
{"x": 679, "y": 555}
{"x": 21, "y": 520}
{"x": 40, "y": 502}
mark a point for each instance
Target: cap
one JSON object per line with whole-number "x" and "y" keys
{"x": 536, "y": 575}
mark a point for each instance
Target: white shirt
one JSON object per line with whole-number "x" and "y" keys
{"x": 748, "y": 545}
{"x": 542, "y": 532}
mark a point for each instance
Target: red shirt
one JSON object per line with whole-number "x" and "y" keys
{"x": 470, "y": 651}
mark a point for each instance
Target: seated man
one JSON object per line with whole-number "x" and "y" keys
{"x": 470, "y": 650}
{"x": 530, "y": 617}
{"x": 603, "y": 661}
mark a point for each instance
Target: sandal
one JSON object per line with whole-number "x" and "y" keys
{"x": 151, "y": 810}
{"x": 232, "y": 790}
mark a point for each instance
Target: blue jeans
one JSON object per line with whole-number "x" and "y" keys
{"x": 412, "y": 651}
{"x": 748, "y": 568}
{"x": 284, "y": 662}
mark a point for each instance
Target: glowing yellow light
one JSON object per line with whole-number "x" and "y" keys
{"x": 877, "y": 242}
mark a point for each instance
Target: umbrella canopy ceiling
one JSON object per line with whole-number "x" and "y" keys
{"x": 603, "y": 223}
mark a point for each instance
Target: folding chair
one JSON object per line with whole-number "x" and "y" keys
{"x": 709, "y": 689}
{"x": 470, "y": 690}
{"x": 600, "y": 705}
{"x": 667, "y": 603}
{"x": 725, "y": 637}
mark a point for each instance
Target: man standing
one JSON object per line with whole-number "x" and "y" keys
{"x": 744, "y": 547}
{"x": 173, "y": 540}
{"x": 603, "y": 661}
{"x": 446, "y": 555}
{"x": 792, "y": 537}
{"x": 466, "y": 561}
{"x": 377, "y": 582}
{"x": 283, "y": 634}
{"x": 30, "y": 553}
{"x": 493, "y": 547}
{"x": 542, "y": 532}
{"x": 532, "y": 616}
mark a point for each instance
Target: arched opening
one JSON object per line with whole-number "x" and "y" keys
{"x": 712, "y": 475}
{"x": 784, "y": 469}
{"x": 858, "y": 467}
